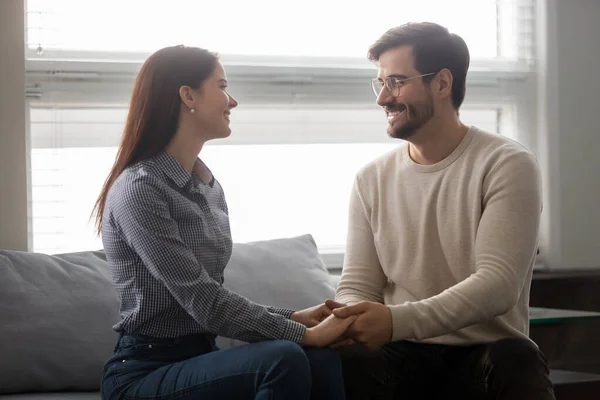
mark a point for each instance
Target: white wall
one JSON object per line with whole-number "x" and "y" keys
{"x": 570, "y": 132}
{"x": 578, "y": 53}
{"x": 13, "y": 149}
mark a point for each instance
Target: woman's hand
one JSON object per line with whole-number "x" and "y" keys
{"x": 312, "y": 316}
{"x": 329, "y": 331}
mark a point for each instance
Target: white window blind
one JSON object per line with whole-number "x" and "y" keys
{"x": 274, "y": 189}
{"x": 307, "y": 119}
{"x": 312, "y": 28}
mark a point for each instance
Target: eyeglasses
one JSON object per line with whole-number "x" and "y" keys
{"x": 393, "y": 84}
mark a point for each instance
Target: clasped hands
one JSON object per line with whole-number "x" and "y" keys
{"x": 335, "y": 324}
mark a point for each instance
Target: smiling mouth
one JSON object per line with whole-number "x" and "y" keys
{"x": 393, "y": 114}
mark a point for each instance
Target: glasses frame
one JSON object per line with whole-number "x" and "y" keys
{"x": 377, "y": 85}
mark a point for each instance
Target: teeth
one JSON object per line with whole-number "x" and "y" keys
{"x": 392, "y": 114}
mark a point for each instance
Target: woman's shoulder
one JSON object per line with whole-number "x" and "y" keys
{"x": 137, "y": 183}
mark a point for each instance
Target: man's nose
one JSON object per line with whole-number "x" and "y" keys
{"x": 385, "y": 97}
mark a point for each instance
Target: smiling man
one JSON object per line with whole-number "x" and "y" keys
{"x": 442, "y": 239}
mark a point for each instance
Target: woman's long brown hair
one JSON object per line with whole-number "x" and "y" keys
{"x": 154, "y": 108}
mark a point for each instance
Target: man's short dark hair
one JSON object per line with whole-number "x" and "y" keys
{"x": 434, "y": 48}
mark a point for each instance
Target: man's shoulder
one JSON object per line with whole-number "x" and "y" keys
{"x": 497, "y": 143}
{"x": 388, "y": 161}
{"x": 491, "y": 149}
{"x": 499, "y": 160}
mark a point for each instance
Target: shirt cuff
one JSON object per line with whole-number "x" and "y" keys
{"x": 293, "y": 331}
{"x": 286, "y": 312}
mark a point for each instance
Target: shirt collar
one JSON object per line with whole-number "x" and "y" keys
{"x": 174, "y": 170}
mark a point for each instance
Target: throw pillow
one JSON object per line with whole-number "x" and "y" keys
{"x": 286, "y": 272}
{"x": 56, "y": 316}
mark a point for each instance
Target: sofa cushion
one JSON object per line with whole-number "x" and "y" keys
{"x": 285, "y": 272}
{"x": 57, "y": 314}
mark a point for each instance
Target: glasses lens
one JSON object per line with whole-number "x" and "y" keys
{"x": 376, "y": 85}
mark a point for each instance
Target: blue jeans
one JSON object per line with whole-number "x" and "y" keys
{"x": 192, "y": 367}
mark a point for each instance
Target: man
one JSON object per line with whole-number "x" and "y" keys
{"x": 442, "y": 239}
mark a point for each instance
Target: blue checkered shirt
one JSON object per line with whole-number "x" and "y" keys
{"x": 167, "y": 241}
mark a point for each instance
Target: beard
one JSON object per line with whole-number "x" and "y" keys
{"x": 416, "y": 116}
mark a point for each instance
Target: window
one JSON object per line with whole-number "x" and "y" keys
{"x": 337, "y": 27}
{"x": 307, "y": 120}
{"x": 292, "y": 183}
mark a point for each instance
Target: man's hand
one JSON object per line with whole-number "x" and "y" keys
{"x": 373, "y": 325}
{"x": 312, "y": 316}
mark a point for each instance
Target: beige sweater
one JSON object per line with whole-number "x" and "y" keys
{"x": 449, "y": 247}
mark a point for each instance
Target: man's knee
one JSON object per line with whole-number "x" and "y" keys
{"x": 518, "y": 366}
{"x": 323, "y": 359}
{"x": 367, "y": 373}
{"x": 514, "y": 353}
{"x": 356, "y": 359}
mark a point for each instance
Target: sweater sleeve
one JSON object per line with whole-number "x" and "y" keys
{"x": 362, "y": 276}
{"x": 505, "y": 246}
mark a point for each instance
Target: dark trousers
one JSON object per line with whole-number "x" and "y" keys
{"x": 512, "y": 369}
{"x": 193, "y": 368}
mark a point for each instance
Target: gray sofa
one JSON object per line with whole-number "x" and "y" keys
{"x": 57, "y": 312}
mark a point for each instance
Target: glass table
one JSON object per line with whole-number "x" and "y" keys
{"x": 538, "y": 315}
{"x": 556, "y": 327}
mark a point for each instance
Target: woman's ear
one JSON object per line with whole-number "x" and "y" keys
{"x": 187, "y": 95}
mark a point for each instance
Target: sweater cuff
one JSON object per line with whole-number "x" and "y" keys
{"x": 402, "y": 320}
{"x": 348, "y": 300}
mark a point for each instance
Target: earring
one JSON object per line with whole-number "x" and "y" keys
{"x": 192, "y": 110}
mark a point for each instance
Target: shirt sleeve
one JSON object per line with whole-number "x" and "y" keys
{"x": 141, "y": 214}
{"x": 505, "y": 247}
{"x": 362, "y": 277}
{"x": 286, "y": 312}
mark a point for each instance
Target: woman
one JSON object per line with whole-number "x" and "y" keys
{"x": 165, "y": 229}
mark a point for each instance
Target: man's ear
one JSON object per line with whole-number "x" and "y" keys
{"x": 187, "y": 96}
{"x": 443, "y": 83}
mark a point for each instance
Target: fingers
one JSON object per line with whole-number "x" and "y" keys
{"x": 332, "y": 304}
{"x": 333, "y": 329}
{"x": 346, "y": 323}
{"x": 349, "y": 320}
{"x": 345, "y": 312}
{"x": 325, "y": 312}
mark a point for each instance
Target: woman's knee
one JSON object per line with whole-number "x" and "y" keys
{"x": 287, "y": 355}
